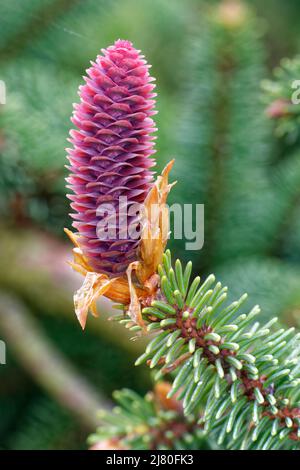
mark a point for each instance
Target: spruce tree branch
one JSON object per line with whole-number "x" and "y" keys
{"x": 239, "y": 378}
{"x": 153, "y": 422}
{"x": 45, "y": 364}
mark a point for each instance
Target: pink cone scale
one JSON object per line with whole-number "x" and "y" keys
{"x": 111, "y": 151}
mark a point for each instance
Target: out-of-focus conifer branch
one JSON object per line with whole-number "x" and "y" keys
{"x": 45, "y": 364}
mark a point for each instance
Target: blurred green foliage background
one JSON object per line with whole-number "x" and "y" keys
{"x": 211, "y": 118}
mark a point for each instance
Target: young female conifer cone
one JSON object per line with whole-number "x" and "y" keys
{"x": 110, "y": 172}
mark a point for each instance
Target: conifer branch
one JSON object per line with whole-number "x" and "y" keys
{"x": 281, "y": 96}
{"x": 239, "y": 379}
{"x": 152, "y": 422}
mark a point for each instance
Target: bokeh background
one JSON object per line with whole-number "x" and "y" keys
{"x": 209, "y": 59}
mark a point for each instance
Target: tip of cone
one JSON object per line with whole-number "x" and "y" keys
{"x": 123, "y": 43}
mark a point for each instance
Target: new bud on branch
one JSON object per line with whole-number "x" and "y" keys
{"x": 111, "y": 159}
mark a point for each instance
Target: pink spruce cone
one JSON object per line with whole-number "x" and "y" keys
{"x": 111, "y": 150}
